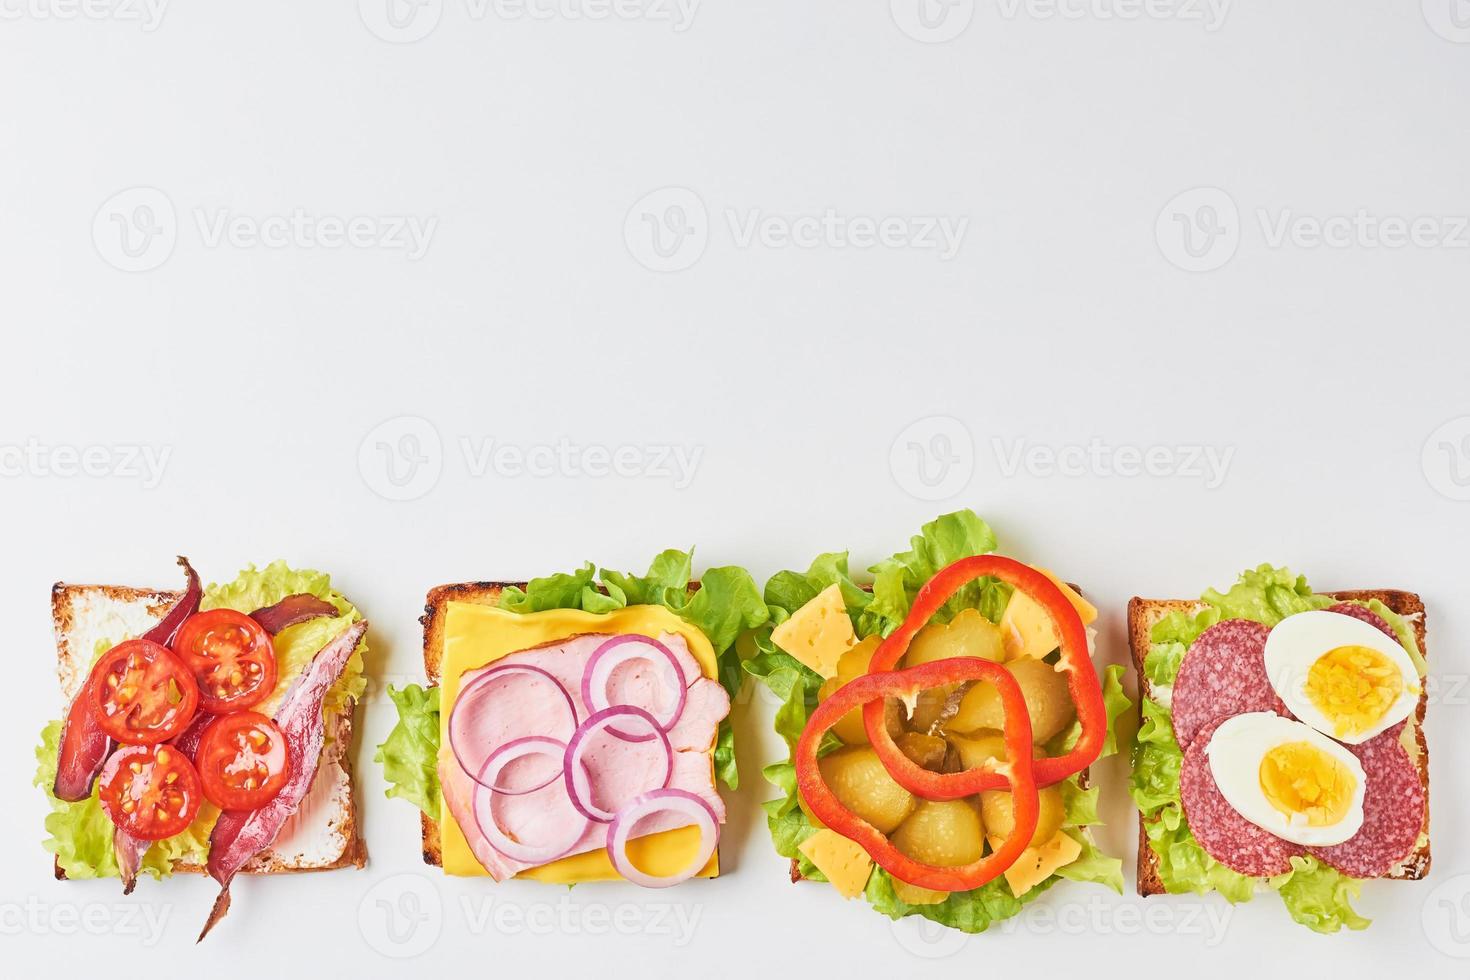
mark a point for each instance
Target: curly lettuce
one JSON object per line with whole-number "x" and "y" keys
{"x": 80, "y": 834}
{"x": 1315, "y": 895}
{"x": 877, "y": 613}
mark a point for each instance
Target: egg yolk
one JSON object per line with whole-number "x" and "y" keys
{"x": 1302, "y": 781}
{"x": 1353, "y": 687}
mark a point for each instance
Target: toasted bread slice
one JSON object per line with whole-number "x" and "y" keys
{"x": 435, "y": 603}
{"x": 1144, "y": 613}
{"x": 323, "y": 835}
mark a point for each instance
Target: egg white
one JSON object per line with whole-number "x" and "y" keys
{"x": 1235, "y": 753}
{"x": 1296, "y": 643}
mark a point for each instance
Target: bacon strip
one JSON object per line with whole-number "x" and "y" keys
{"x": 241, "y": 834}
{"x": 85, "y": 747}
{"x": 129, "y": 851}
{"x": 291, "y": 610}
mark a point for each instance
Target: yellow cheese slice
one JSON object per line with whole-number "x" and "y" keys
{"x": 1036, "y": 864}
{"x": 846, "y": 865}
{"x": 819, "y": 632}
{"x": 1025, "y": 628}
{"x": 476, "y": 636}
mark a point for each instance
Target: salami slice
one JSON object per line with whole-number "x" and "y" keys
{"x": 1222, "y": 675}
{"x": 1393, "y": 810}
{"x": 1225, "y": 835}
{"x": 1366, "y": 615}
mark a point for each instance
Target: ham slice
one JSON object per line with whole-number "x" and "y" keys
{"x": 520, "y": 705}
{"x": 240, "y": 834}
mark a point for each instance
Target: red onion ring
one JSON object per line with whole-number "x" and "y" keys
{"x": 574, "y": 769}
{"x": 662, "y": 801}
{"x": 536, "y": 854}
{"x": 618, "y": 651}
{"x": 457, "y": 738}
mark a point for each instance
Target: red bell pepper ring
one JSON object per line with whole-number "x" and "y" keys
{"x": 1075, "y": 660}
{"x": 1015, "y": 773}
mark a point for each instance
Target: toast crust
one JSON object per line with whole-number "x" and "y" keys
{"x": 1144, "y": 613}
{"x": 153, "y": 604}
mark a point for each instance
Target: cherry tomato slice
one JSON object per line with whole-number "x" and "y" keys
{"x": 232, "y": 657}
{"x": 242, "y": 761}
{"x": 141, "y": 694}
{"x": 150, "y": 791}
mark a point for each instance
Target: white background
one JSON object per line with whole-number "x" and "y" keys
{"x": 1065, "y": 317}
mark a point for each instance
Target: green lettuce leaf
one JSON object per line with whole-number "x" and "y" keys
{"x": 1267, "y": 595}
{"x": 410, "y": 753}
{"x": 941, "y": 542}
{"x": 1318, "y": 896}
{"x": 972, "y": 911}
{"x": 80, "y": 834}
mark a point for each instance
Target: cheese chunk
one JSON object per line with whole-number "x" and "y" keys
{"x": 819, "y": 632}
{"x": 1036, "y": 864}
{"x": 846, "y": 865}
{"x": 1025, "y": 628}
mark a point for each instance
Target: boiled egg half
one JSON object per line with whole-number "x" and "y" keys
{"x": 1340, "y": 675}
{"x": 1287, "y": 778}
